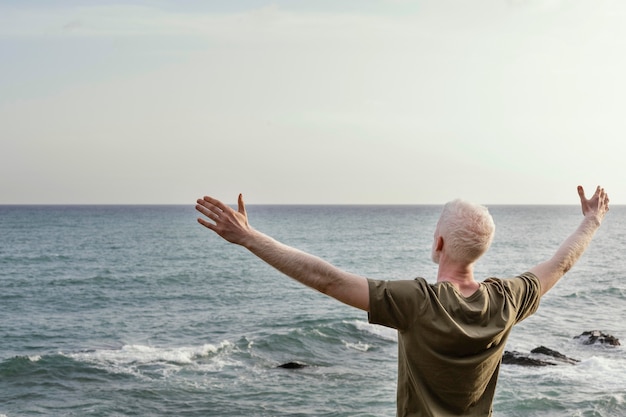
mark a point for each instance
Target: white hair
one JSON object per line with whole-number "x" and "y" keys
{"x": 467, "y": 230}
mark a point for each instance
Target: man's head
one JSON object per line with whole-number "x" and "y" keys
{"x": 465, "y": 230}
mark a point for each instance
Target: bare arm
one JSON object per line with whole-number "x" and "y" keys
{"x": 594, "y": 209}
{"x": 307, "y": 269}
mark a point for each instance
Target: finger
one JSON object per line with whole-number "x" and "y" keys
{"x": 210, "y": 211}
{"x": 241, "y": 205}
{"x": 214, "y": 205}
{"x": 605, "y": 197}
{"x": 599, "y": 190}
{"x": 204, "y": 207}
{"x": 215, "y": 202}
{"x": 206, "y": 224}
{"x": 581, "y": 193}
{"x": 207, "y": 205}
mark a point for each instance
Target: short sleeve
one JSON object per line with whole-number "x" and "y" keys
{"x": 396, "y": 304}
{"x": 526, "y": 292}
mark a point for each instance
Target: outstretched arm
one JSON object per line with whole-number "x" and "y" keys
{"x": 594, "y": 209}
{"x": 310, "y": 270}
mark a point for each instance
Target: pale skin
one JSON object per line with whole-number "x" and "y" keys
{"x": 352, "y": 289}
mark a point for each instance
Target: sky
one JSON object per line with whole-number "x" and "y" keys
{"x": 311, "y": 102}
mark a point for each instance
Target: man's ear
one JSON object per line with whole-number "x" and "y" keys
{"x": 439, "y": 245}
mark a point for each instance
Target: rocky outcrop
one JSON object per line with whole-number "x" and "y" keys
{"x": 542, "y": 350}
{"x": 292, "y": 365}
{"x": 597, "y": 337}
{"x": 522, "y": 359}
{"x": 539, "y": 356}
{"x": 543, "y": 356}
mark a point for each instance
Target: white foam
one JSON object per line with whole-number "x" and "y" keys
{"x": 128, "y": 358}
{"x": 362, "y": 347}
{"x": 597, "y": 374}
{"x": 383, "y": 332}
{"x": 598, "y": 364}
{"x": 33, "y": 358}
{"x": 607, "y": 372}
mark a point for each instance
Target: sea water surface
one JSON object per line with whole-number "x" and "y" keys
{"x": 139, "y": 311}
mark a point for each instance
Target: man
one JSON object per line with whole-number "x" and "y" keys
{"x": 451, "y": 334}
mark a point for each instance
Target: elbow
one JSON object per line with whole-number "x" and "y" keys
{"x": 565, "y": 269}
{"x": 566, "y": 264}
{"x": 332, "y": 285}
{"x": 562, "y": 263}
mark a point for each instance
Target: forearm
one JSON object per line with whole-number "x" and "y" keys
{"x": 575, "y": 245}
{"x": 304, "y": 268}
{"x": 567, "y": 254}
{"x": 309, "y": 270}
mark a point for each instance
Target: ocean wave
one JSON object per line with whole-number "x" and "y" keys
{"x": 325, "y": 334}
{"x": 16, "y": 365}
{"x": 360, "y": 346}
{"x": 28, "y": 258}
{"x": 54, "y": 371}
{"x": 606, "y": 372}
{"x": 382, "y": 332}
{"x": 316, "y": 344}
{"x": 142, "y": 359}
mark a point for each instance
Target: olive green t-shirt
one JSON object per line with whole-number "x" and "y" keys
{"x": 450, "y": 346}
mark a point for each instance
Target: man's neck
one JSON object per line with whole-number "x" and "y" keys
{"x": 459, "y": 275}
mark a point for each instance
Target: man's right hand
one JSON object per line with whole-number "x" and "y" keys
{"x": 229, "y": 224}
{"x": 597, "y": 205}
{"x": 594, "y": 209}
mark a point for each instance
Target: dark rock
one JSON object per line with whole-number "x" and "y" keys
{"x": 292, "y": 365}
{"x": 596, "y": 336}
{"x": 542, "y": 350}
{"x": 516, "y": 358}
{"x": 538, "y": 354}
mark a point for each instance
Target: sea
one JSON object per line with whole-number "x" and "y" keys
{"x": 140, "y": 311}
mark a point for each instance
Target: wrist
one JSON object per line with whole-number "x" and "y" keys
{"x": 593, "y": 219}
{"x": 250, "y": 239}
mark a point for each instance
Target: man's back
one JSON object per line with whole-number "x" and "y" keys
{"x": 450, "y": 346}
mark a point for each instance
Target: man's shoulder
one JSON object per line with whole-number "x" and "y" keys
{"x": 412, "y": 281}
{"x": 527, "y": 278}
{"x": 401, "y": 290}
{"x": 526, "y": 283}
{"x": 522, "y": 291}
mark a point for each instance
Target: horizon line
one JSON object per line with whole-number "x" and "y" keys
{"x": 278, "y": 204}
